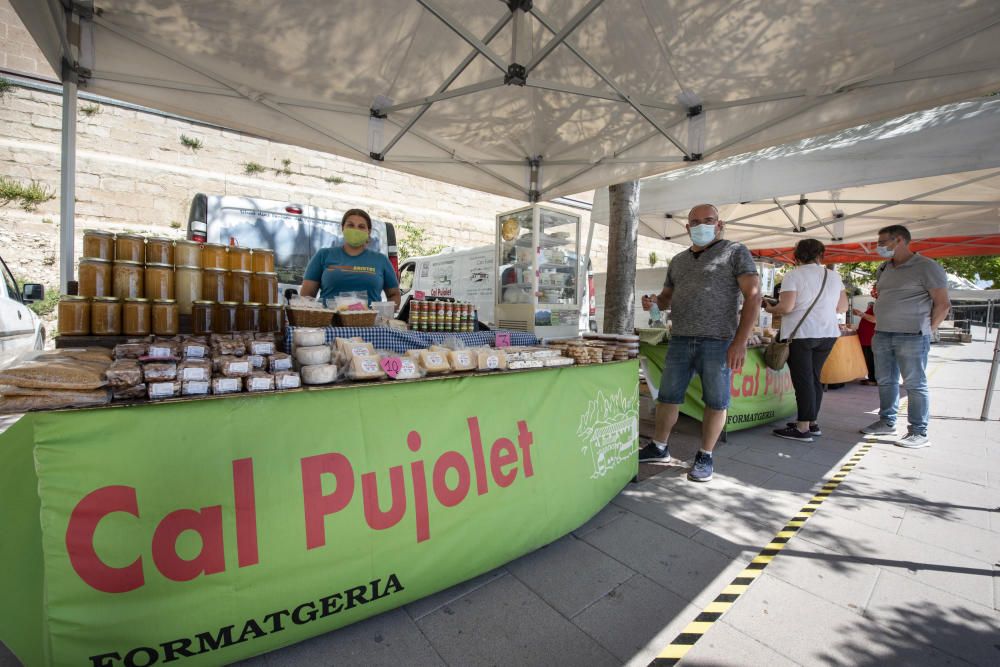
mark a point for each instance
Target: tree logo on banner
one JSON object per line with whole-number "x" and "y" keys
{"x": 610, "y": 427}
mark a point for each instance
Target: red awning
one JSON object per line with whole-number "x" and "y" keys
{"x": 940, "y": 246}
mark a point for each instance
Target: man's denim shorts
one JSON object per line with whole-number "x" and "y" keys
{"x": 687, "y": 355}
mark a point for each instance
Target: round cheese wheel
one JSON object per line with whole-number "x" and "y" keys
{"x": 308, "y": 337}
{"x": 313, "y": 355}
{"x": 321, "y": 374}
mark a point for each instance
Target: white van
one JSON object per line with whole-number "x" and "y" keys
{"x": 20, "y": 327}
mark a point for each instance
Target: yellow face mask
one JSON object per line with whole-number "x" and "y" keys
{"x": 356, "y": 238}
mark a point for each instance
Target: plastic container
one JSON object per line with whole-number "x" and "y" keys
{"x": 74, "y": 315}
{"x": 166, "y": 317}
{"x": 130, "y": 248}
{"x": 203, "y": 317}
{"x": 98, "y": 245}
{"x": 94, "y": 277}
{"x": 264, "y": 287}
{"x": 159, "y": 281}
{"x": 238, "y": 285}
{"x": 128, "y": 280}
{"x": 136, "y": 317}
{"x": 160, "y": 251}
{"x": 106, "y": 316}
{"x": 213, "y": 256}
{"x": 187, "y": 287}
{"x": 187, "y": 253}
{"x": 262, "y": 260}
{"x": 224, "y": 320}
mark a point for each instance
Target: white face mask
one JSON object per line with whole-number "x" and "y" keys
{"x": 702, "y": 235}
{"x": 884, "y": 251}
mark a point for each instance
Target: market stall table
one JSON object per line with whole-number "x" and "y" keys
{"x": 216, "y": 529}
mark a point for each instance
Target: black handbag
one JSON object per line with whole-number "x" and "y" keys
{"x": 776, "y": 354}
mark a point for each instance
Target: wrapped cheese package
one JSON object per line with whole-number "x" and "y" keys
{"x": 259, "y": 381}
{"x": 313, "y": 355}
{"x": 198, "y": 370}
{"x": 521, "y": 364}
{"x": 492, "y": 360}
{"x": 348, "y": 348}
{"x": 409, "y": 367}
{"x": 557, "y": 361}
{"x": 287, "y": 380}
{"x": 434, "y": 362}
{"x": 365, "y": 368}
{"x": 319, "y": 374}
{"x": 462, "y": 360}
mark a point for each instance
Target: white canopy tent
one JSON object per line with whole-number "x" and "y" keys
{"x": 528, "y": 99}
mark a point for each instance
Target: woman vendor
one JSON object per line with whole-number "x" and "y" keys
{"x": 351, "y": 267}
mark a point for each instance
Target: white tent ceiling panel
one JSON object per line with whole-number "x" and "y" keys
{"x": 608, "y": 83}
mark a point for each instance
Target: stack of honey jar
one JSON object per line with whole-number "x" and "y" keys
{"x": 132, "y": 285}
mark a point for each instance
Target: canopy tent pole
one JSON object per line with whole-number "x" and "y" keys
{"x": 993, "y": 378}
{"x": 989, "y": 320}
{"x": 67, "y": 185}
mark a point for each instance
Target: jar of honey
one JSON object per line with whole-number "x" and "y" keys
{"x": 187, "y": 253}
{"x": 74, "y": 315}
{"x": 238, "y": 286}
{"x": 272, "y": 318}
{"x": 187, "y": 287}
{"x": 202, "y": 317}
{"x": 136, "y": 317}
{"x": 94, "y": 277}
{"x": 166, "y": 317}
{"x": 213, "y": 284}
{"x": 239, "y": 259}
{"x": 262, "y": 260}
{"x": 264, "y": 288}
{"x": 159, "y": 281}
{"x": 248, "y": 317}
{"x": 127, "y": 278}
{"x": 213, "y": 256}
{"x": 98, "y": 244}
{"x": 106, "y": 316}
{"x": 224, "y": 320}
{"x": 160, "y": 251}
{"x": 130, "y": 248}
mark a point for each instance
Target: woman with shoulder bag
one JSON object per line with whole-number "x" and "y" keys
{"x": 811, "y": 296}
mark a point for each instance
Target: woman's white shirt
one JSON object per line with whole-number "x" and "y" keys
{"x": 805, "y": 281}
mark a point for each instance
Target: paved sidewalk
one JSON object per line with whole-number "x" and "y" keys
{"x": 900, "y": 565}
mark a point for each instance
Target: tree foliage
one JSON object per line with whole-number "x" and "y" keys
{"x": 412, "y": 241}
{"x": 983, "y": 267}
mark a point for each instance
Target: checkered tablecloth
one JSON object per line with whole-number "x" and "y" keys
{"x": 384, "y": 338}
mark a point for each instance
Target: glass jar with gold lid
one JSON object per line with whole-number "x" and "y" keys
{"x": 213, "y": 284}
{"x": 187, "y": 253}
{"x": 203, "y": 317}
{"x": 130, "y": 248}
{"x": 239, "y": 259}
{"x": 128, "y": 280}
{"x": 160, "y": 251}
{"x": 98, "y": 244}
{"x": 159, "y": 281}
{"x": 273, "y": 318}
{"x": 224, "y": 320}
{"x": 238, "y": 285}
{"x": 248, "y": 316}
{"x": 106, "y": 316}
{"x": 213, "y": 256}
{"x": 264, "y": 288}
{"x": 74, "y": 315}
{"x": 166, "y": 317}
{"x": 262, "y": 260}
{"x": 136, "y": 317}
{"x": 187, "y": 287}
{"x": 94, "y": 277}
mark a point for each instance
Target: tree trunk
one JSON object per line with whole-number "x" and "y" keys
{"x": 623, "y": 241}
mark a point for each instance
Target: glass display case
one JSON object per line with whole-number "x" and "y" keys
{"x": 538, "y": 282}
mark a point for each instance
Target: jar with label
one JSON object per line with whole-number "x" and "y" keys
{"x": 272, "y": 317}
{"x": 213, "y": 256}
{"x": 160, "y": 251}
{"x": 136, "y": 317}
{"x": 187, "y": 253}
{"x": 94, "y": 277}
{"x": 213, "y": 284}
{"x": 262, "y": 260}
{"x": 74, "y": 315}
{"x": 98, "y": 245}
{"x": 166, "y": 317}
{"x": 202, "y": 317}
{"x": 106, "y": 316}
{"x": 187, "y": 287}
{"x": 264, "y": 288}
{"x": 248, "y": 317}
{"x": 238, "y": 286}
{"x": 239, "y": 259}
{"x": 130, "y": 248}
{"x": 225, "y": 317}
{"x": 159, "y": 281}
{"x": 128, "y": 280}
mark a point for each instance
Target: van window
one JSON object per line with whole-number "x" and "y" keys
{"x": 10, "y": 285}
{"x": 406, "y": 277}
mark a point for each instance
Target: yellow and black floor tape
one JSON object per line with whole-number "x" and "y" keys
{"x": 694, "y": 631}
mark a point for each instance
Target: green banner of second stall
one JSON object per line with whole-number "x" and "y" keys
{"x": 208, "y": 531}
{"x": 758, "y": 395}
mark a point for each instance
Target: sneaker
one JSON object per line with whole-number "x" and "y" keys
{"x": 792, "y": 433}
{"x": 702, "y": 470}
{"x": 813, "y": 428}
{"x": 913, "y": 441}
{"x": 879, "y": 428}
{"x": 653, "y": 454}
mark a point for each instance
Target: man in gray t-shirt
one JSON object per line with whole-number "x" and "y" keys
{"x": 703, "y": 287}
{"x": 912, "y": 301}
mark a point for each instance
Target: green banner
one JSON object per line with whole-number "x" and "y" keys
{"x": 209, "y": 531}
{"x": 758, "y": 395}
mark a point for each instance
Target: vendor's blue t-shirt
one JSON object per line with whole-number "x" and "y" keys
{"x": 338, "y": 272}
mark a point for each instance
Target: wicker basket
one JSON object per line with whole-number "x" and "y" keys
{"x": 356, "y": 318}
{"x": 309, "y": 317}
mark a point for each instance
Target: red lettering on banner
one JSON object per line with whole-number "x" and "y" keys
{"x": 502, "y": 454}
{"x": 245, "y": 503}
{"x": 419, "y": 491}
{"x": 83, "y": 521}
{"x": 207, "y": 522}
{"x": 317, "y": 505}
{"x": 478, "y": 460}
{"x": 374, "y": 516}
{"x": 451, "y": 461}
{"x": 524, "y": 441}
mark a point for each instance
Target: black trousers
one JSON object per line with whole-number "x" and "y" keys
{"x": 869, "y": 361}
{"x": 805, "y": 361}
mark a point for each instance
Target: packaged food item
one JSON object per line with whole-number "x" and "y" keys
{"x": 137, "y": 317}
{"x": 264, "y": 347}
{"x": 131, "y": 350}
{"x": 348, "y": 348}
{"x": 545, "y": 353}
{"x": 196, "y": 387}
{"x": 313, "y": 355}
{"x": 365, "y": 368}
{"x": 157, "y": 390}
{"x": 524, "y": 363}
{"x": 462, "y": 360}
{"x": 409, "y": 369}
{"x": 106, "y": 316}
{"x": 287, "y": 380}
{"x": 195, "y": 348}
{"x": 129, "y": 393}
{"x": 259, "y": 381}
{"x": 74, "y": 315}
{"x": 234, "y": 367}
{"x": 492, "y": 360}
{"x": 434, "y": 362}
{"x": 256, "y": 360}
{"x": 518, "y": 354}
{"x": 124, "y": 373}
{"x": 164, "y": 349}
{"x": 319, "y": 374}
{"x": 557, "y": 361}
{"x": 14, "y": 401}
{"x": 166, "y": 317}
{"x": 308, "y": 337}
{"x": 94, "y": 277}
{"x": 187, "y": 253}
{"x": 159, "y": 372}
{"x": 224, "y": 385}
{"x": 228, "y": 345}
{"x": 279, "y": 361}
{"x": 53, "y": 372}
{"x": 195, "y": 370}
{"x": 98, "y": 244}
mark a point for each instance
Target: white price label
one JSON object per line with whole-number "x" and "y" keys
{"x": 493, "y": 362}
{"x": 194, "y": 351}
{"x": 259, "y": 384}
{"x": 194, "y": 374}
{"x": 288, "y": 382}
{"x": 435, "y": 359}
{"x": 159, "y": 352}
{"x": 463, "y": 358}
{"x": 195, "y": 388}
{"x": 239, "y": 367}
{"x": 370, "y": 366}
{"x": 360, "y": 351}
{"x": 161, "y": 389}
{"x": 281, "y": 364}
{"x": 227, "y": 384}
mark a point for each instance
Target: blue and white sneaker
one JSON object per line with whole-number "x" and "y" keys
{"x": 702, "y": 469}
{"x": 653, "y": 454}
